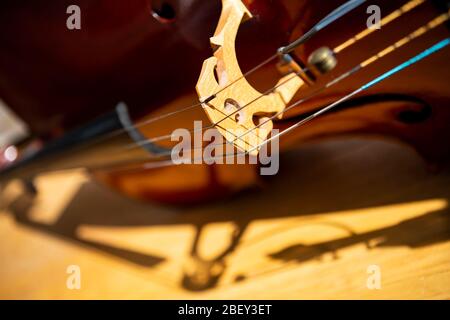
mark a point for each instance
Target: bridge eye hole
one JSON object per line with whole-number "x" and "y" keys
{"x": 231, "y": 106}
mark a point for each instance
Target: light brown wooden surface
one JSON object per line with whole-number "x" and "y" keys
{"x": 311, "y": 232}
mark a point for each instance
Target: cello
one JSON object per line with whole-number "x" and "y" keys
{"x": 107, "y": 97}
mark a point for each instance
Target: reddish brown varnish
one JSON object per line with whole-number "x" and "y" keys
{"x": 56, "y": 79}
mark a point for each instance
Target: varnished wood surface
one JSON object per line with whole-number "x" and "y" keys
{"x": 311, "y": 232}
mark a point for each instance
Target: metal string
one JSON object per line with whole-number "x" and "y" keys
{"x": 431, "y": 50}
{"x": 347, "y": 7}
{"x": 415, "y": 34}
{"x": 333, "y": 16}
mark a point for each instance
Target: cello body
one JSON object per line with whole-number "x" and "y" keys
{"x": 149, "y": 55}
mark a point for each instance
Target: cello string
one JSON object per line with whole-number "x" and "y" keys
{"x": 412, "y": 36}
{"x": 397, "y": 13}
{"x": 433, "y": 49}
{"x": 420, "y": 31}
{"x": 385, "y": 21}
{"x": 148, "y": 121}
{"x": 391, "y": 17}
{"x": 333, "y": 16}
{"x": 212, "y": 125}
{"x": 330, "y": 18}
{"x": 400, "y": 43}
{"x": 412, "y": 61}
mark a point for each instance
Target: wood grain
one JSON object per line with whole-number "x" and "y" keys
{"x": 310, "y": 232}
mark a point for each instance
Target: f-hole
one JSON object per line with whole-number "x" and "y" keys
{"x": 163, "y": 11}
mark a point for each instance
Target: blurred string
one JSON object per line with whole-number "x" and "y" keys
{"x": 336, "y": 14}
{"x": 415, "y": 34}
{"x": 412, "y": 61}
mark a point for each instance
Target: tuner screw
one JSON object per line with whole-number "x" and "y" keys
{"x": 322, "y": 61}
